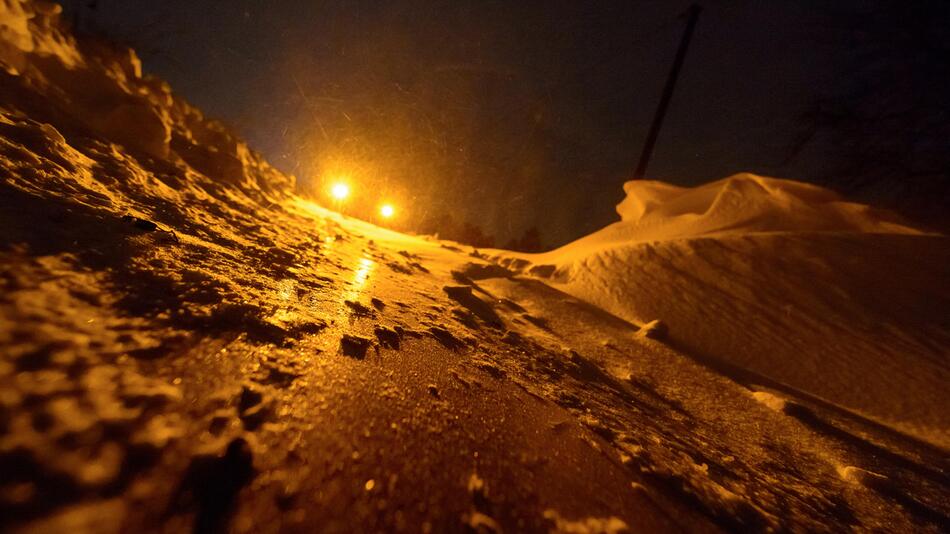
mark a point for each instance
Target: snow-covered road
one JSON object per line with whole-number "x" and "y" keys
{"x": 187, "y": 344}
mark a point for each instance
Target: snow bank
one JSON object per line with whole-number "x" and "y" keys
{"x": 745, "y": 203}
{"x": 782, "y": 279}
{"x": 98, "y": 87}
{"x": 740, "y": 204}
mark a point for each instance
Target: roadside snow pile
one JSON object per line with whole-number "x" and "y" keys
{"x": 96, "y": 88}
{"x": 740, "y": 204}
{"x": 124, "y": 216}
{"x": 781, "y": 279}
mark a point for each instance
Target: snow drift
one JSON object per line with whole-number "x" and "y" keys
{"x": 782, "y": 279}
{"x": 744, "y": 203}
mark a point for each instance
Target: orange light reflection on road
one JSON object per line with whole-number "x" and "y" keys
{"x": 363, "y": 269}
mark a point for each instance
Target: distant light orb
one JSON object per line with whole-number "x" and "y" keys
{"x": 387, "y": 211}
{"x": 340, "y": 191}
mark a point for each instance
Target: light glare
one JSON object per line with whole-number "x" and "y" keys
{"x": 387, "y": 211}
{"x": 340, "y": 191}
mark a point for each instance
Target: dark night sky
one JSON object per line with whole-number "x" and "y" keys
{"x": 507, "y": 114}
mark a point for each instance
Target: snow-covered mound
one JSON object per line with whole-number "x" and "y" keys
{"x": 781, "y": 279}
{"x": 746, "y": 202}
{"x": 657, "y": 211}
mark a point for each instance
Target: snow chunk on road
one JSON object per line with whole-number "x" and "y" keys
{"x": 771, "y": 401}
{"x": 587, "y": 525}
{"x": 655, "y": 329}
{"x": 856, "y": 475}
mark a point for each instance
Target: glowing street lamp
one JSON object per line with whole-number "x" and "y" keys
{"x": 340, "y": 191}
{"x": 386, "y": 211}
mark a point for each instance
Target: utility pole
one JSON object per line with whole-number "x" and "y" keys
{"x": 693, "y": 16}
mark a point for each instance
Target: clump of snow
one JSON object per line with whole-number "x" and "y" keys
{"x": 770, "y": 400}
{"x": 856, "y": 475}
{"x": 19, "y": 35}
{"x": 586, "y": 525}
{"x": 783, "y": 279}
{"x": 655, "y": 329}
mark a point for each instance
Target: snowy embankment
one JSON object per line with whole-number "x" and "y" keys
{"x": 781, "y": 279}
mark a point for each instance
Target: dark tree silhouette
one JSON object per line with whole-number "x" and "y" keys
{"x": 446, "y": 227}
{"x": 530, "y": 241}
{"x": 888, "y": 120}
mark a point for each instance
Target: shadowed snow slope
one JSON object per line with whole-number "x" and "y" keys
{"x": 783, "y": 279}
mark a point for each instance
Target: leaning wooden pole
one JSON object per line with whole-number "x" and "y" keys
{"x": 693, "y": 16}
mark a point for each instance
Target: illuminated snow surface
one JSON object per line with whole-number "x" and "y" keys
{"x": 778, "y": 283}
{"x": 186, "y": 344}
